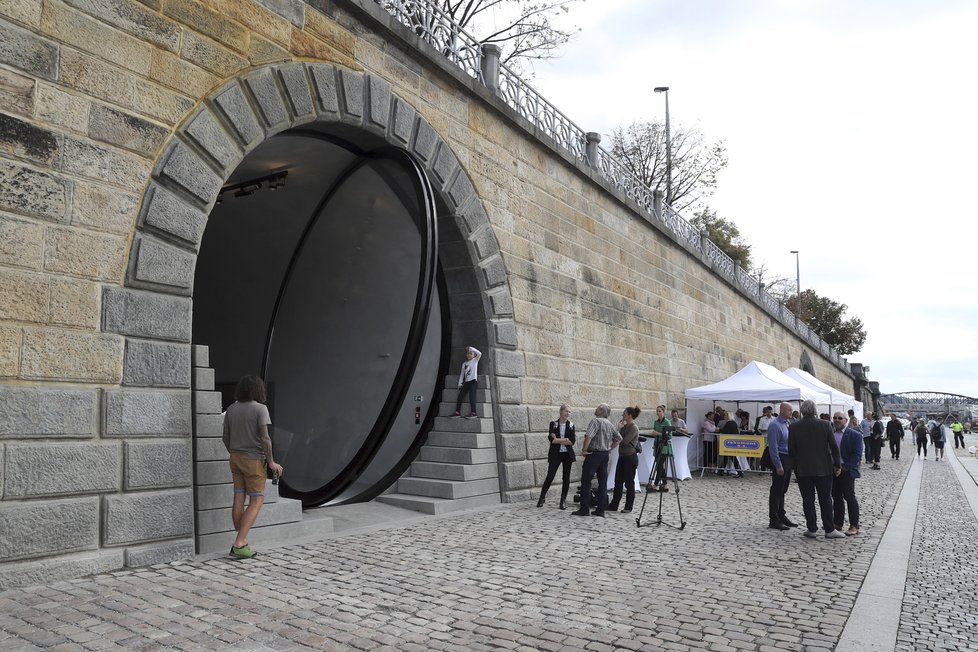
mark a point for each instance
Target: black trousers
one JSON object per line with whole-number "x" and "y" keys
{"x": 957, "y": 436}
{"x": 468, "y": 387}
{"x": 868, "y": 448}
{"x": 625, "y": 479}
{"x": 922, "y": 443}
{"x": 844, "y": 495}
{"x": 895, "y": 446}
{"x": 877, "y": 446}
{"x": 595, "y": 463}
{"x": 567, "y": 461}
{"x": 709, "y": 453}
{"x": 779, "y": 486}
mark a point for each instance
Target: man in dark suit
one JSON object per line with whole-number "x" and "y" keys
{"x": 814, "y": 457}
{"x": 850, "y": 443}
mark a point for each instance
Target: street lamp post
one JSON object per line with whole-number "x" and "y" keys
{"x": 797, "y": 281}
{"x": 665, "y": 90}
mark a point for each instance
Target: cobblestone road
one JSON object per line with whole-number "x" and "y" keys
{"x": 515, "y": 577}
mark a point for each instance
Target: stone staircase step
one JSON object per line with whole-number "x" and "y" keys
{"x": 458, "y": 424}
{"x": 210, "y": 521}
{"x": 457, "y": 455}
{"x": 462, "y": 472}
{"x": 452, "y": 382}
{"x": 450, "y": 489}
{"x": 462, "y": 439}
{"x": 446, "y": 409}
{"x": 215, "y": 496}
{"x": 309, "y": 529}
{"x": 435, "y": 506}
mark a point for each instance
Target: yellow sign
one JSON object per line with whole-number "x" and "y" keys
{"x": 742, "y": 445}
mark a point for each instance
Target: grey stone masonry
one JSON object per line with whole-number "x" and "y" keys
{"x": 180, "y": 166}
{"x": 166, "y": 213}
{"x": 155, "y": 264}
{"x": 147, "y": 516}
{"x": 60, "y": 468}
{"x": 145, "y": 314}
{"x": 158, "y": 464}
{"x": 31, "y": 412}
{"x": 150, "y": 363}
{"x": 47, "y": 527}
{"x": 159, "y": 553}
{"x": 145, "y": 413}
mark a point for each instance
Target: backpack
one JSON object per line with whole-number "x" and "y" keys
{"x": 936, "y": 432}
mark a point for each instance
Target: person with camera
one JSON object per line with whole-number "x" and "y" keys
{"x": 660, "y": 432}
{"x": 560, "y": 454}
{"x": 600, "y": 438}
{"x": 627, "y": 460}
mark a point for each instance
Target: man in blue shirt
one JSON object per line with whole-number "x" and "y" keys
{"x": 777, "y": 445}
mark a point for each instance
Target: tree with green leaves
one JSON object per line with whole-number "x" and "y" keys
{"x": 827, "y": 318}
{"x": 641, "y": 146}
{"x": 724, "y": 235}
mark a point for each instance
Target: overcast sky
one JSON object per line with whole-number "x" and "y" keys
{"x": 851, "y": 132}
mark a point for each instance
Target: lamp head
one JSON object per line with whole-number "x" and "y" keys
{"x": 660, "y": 89}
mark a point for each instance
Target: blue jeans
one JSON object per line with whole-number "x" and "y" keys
{"x": 596, "y": 462}
{"x": 822, "y": 484}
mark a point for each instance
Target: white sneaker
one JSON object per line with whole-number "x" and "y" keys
{"x": 811, "y": 534}
{"x": 835, "y": 534}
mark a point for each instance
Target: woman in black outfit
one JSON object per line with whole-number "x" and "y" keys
{"x": 729, "y": 427}
{"x": 627, "y": 460}
{"x": 562, "y": 438}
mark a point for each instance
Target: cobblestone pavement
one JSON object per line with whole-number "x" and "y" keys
{"x": 940, "y": 603}
{"x": 514, "y": 577}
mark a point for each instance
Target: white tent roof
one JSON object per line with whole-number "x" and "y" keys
{"x": 805, "y": 378}
{"x": 758, "y": 382}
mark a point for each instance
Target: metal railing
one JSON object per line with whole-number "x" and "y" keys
{"x": 437, "y": 28}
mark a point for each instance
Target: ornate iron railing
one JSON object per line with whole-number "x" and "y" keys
{"x": 430, "y": 23}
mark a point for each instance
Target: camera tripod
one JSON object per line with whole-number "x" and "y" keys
{"x": 668, "y": 464}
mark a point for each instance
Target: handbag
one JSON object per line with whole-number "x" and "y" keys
{"x": 638, "y": 445}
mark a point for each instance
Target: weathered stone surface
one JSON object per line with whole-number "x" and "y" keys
{"x": 95, "y": 77}
{"x": 208, "y": 22}
{"x": 238, "y": 113}
{"x": 208, "y": 425}
{"x": 185, "y": 168}
{"x": 55, "y": 569}
{"x": 166, "y": 212}
{"x": 201, "y": 355}
{"x": 207, "y": 402}
{"x": 26, "y": 141}
{"x": 103, "y": 208}
{"x": 132, "y": 413}
{"x": 79, "y": 252}
{"x": 211, "y": 55}
{"x": 10, "y": 343}
{"x": 69, "y": 469}
{"x": 148, "y": 516}
{"x": 209, "y": 449}
{"x": 118, "y": 167}
{"x": 28, "y": 52}
{"x": 296, "y": 86}
{"x": 145, "y": 314}
{"x": 512, "y": 447}
{"x": 54, "y": 354}
{"x": 159, "y": 554}
{"x": 134, "y": 19}
{"x": 61, "y": 109}
{"x": 160, "y": 103}
{"x": 255, "y": 17}
{"x": 328, "y": 30}
{"x": 493, "y": 271}
{"x": 25, "y": 12}
{"x": 213, "y": 472}
{"x": 182, "y": 76}
{"x": 158, "y": 464}
{"x": 156, "y": 364}
{"x": 124, "y": 130}
{"x": 72, "y": 27}
{"x": 155, "y": 263}
{"x": 30, "y": 412}
{"x": 402, "y": 125}
{"x": 500, "y": 302}
{"x": 445, "y": 164}
{"x": 262, "y": 51}
{"x": 426, "y": 141}
{"x": 48, "y": 526}
{"x": 508, "y": 390}
{"x": 505, "y": 332}
{"x": 378, "y": 104}
{"x": 291, "y": 10}
{"x": 25, "y": 296}
{"x": 326, "y": 94}
{"x": 208, "y": 133}
{"x": 20, "y": 242}
{"x": 512, "y": 418}
{"x": 351, "y": 97}
{"x": 203, "y": 379}
{"x": 509, "y": 363}
{"x": 74, "y": 303}
{"x": 516, "y": 475}
{"x": 31, "y": 192}
{"x": 17, "y": 93}
{"x": 271, "y": 106}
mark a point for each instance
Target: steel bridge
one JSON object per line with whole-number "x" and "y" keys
{"x": 931, "y": 404}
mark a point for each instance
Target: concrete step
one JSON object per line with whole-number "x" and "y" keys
{"x": 430, "y": 505}
{"x": 268, "y": 536}
{"x": 216, "y": 496}
{"x": 446, "y": 409}
{"x": 450, "y": 489}
{"x": 453, "y": 424}
{"x": 461, "y": 472}
{"x": 462, "y": 439}
{"x": 450, "y": 395}
{"x": 210, "y": 521}
{"x": 457, "y": 455}
{"x": 452, "y": 381}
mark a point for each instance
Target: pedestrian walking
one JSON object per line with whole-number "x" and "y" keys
{"x": 627, "y": 460}
{"x": 866, "y": 428}
{"x": 894, "y": 433}
{"x": 920, "y": 432}
{"x": 815, "y": 458}
{"x": 877, "y": 441}
{"x": 937, "y": 438}
{"x": 560, "y": 454}
{"x": 958, "y": 430}
{"x": 468, "y": 381}
{"x": 850, "y": 443}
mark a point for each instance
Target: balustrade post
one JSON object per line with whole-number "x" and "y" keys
{"x": 737, "y": 280}
{"x": 704, "y": 239}
{"x": 490, "y": 66}
{"x": 657, "y": 204}
{"x": 592, "y": 138}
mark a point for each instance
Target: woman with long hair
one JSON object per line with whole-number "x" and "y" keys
{"x": 560, "y": 454}
{"x": 627, "y": 460}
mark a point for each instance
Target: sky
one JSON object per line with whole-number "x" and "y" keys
{"x": 850, "y": 129}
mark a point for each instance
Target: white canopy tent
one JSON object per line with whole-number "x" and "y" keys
{"x": 837, "y": 400}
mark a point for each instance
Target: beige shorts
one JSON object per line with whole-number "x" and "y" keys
{"x": 248, "y": 474}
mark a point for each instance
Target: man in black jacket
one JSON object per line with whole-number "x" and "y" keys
{"x": 815, "y": 458}
{"x": 894, "y": 432}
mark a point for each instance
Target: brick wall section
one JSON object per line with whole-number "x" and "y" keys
{"x": 110, "y": 159}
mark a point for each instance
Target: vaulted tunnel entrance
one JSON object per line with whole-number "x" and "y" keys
{"x": 319, "y": 270}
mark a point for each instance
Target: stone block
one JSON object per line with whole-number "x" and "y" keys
{"x": 70, "y": 27}
{"x": 208, "y": 425}
{"x": 28, "y": 52}
{"x": 213, "y": 472}
{"x": 46, "y": 527}
{"x": 203, "y": 379}
{"x": 135, "y": 413}
{"x": 516, "y": 475}
{"x": 125, "y": 130}
{"x": 472, "y": 215}
{"x": 291, "y": 10}
{"x": 512, "y": 418}
{"x": 133, "y": 18}
{"x": 61, "y": 109}
{"x": 30, "y": 412}
{"x": 156, "y": 364}
{"x": 32, "y": 470}
{"x": 148, "y": 516}
{"x": 158, "y": 464}
{"x": 271, "y": 106}
{"x": 378, "y": 104}
{"x": 78, "y": 252}
{"x": 537, "y": 446}
{"x": 239, "y": 115}
{"x": 505, "y": 332}
{"x": 70, "y": 355}
{"x": 95, "y": 77}
{"x": 28, "y": 142}
{"x": 460, "y": 190}
{"x": 54, "y": 569}
{"x": 512, "y": 447}
{"x": 484, "y": 241}
{"x": 145, "y": 314}
{"x": 25, "y": 296}
{"x": 500, "y": 302}
{"x": 509, "y": 363}
{"x": 187, "y": 169}
{"x": 445, "y": 164}
{"x": 293, "y": 77}
{"x": 209, "y": 22}
{"x": 262, "y": 51}
{"x": 208, "y": 133}
{"x": 17, "y": 93}
{"x": 31, "y": 192}
{"x": 10, "y": 343}
{"x": 402, "y": 122}
{"x": 211, "y": 55}
{"x": 94, "y": 160}
{"x": 182, "y": 76}
{"x": 207, "y": 402}
{"x": 325, "y": 89}
{"x": 155, "y": 264}
{"x": 160, "y": 103}
{"x": 218, "y": 496}
{"x": 200, "y": 354}
{"x": 74, "y": 303}
{"x": 493, "y": 271}
{"x": 351, "y": 96}
{"x": 159, "y": 554}
{"x": 426, "y": 141}
{"x": 210, "y": 449}
{"x": 103, "y": 208}
{"x": 167, "y": 213}
{"x": 508, "y": 390}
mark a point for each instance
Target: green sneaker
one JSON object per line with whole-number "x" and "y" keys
{"x": 244, "y": 552}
